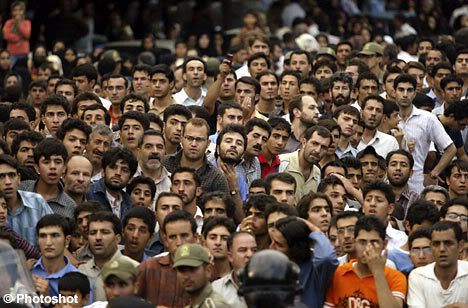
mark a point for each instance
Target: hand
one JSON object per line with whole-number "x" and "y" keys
{"x": 30, "y": 263}
{"x": 230, "y": 173}
{"x": 312, "y": 227}
{"x": 375, "y": 261}
{"x": 247, "y": 224}
{"x": 248, "y": 108}
{"x": 224, "y": 69}
{"x": 348, "y": 186}
{"x": 398, "y": 134}
{"x": 41, "y": 284}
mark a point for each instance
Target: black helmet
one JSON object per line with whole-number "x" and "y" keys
{"x": 269, "y": 280}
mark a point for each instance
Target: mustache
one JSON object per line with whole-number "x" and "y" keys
{"x": 154, "y": 156}
{"x": 258, "y": 147}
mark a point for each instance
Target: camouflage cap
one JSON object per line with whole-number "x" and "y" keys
{"x": 122, "y": 267}
{"x": 193, "y": 255}
{"x": 371, "y": 49}
{"x": 326, "y": 51}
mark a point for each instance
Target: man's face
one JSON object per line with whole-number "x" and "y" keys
{"x": 310, "y": 113}
{"x": 278, "y": 241}
{"x": 323, "y": 72}
{"x": 231, "y": 116}
{"x": 51, "y": 169}
{"x": 174, "y": 128}
{"x": 268, "y": 87}
{"x": 11, "y": 135}
{"x": 289, "y": 87}
{"x": 277, "y": 141}
{"x": 367, "y": 240}
{"x": 440, "y": 74}
{"x": 231, "y": 148}
{"x": 136, "y": 234}
{"x": 300, "y": 63}
{"x": 333, "y": 145}
{"x": 433, "y": 57}
{"x": 166, "y": 205}
{"x": 37, "y": 94}
{"x": 259, "y": 225}
{"x": 319, "y": 214}
{"x": 115, "y": 287}
{"x": 141, "y": 83}
{"x": 336, "y": 194}
{"x": 117, "y": 177}
{"x": 353, "y": 70}
{"x": 244, "y": 90}
{"x": 195, "y": 74}
{"x": 340, "y": 93}
{"x": 141, "y": 195}
{"x": 457, "y": 182}
{"x": 228, "y": 87}
{"x": 366, "y": 88}
{"x": 19, "y": 114}
{"x": 461, "y": 64}
{"x": 419, "y": 76}
{"x": 259, "y": 46}
{"x": 388, "y": 85}
{"x": 83, "y": 84}
{"x": 283, "y": 192}
{"x": 152, "y": 152}
{"x": 315, "y": 148}
{"x": 308, "y": 89}
{"x": 424, "y": 47}
{"x": 66, "y": 91}
{"x": 257, "y": 66}
{"x": 4, "y": 60}
{"x": 356, "y": 138}
{"x": 404, "y": 94}
{"x": 184, "y": 184}
{"x": 52, "y": 242}
{"x": 161, "y": 85}
{"x": 452, "y": 92}
{"x": 78, "y": 175}
{"x": 195, "y": 142}
{"x": 445, "y": 248}
{"x": 134, "y": 105}
{"x": 256, "y": 139}
{"x": 355, "y": 176}
{"x": 75, "y": 142}
{"x": 242, "y": 249}
{"x": 102, "y": 239}
{"x": 94, "y": 117}
{"x": 437, "y": 198}
{"x": 178, "y": 233}
{"x": 83, "y": 104}
{"x": 51, "y": 83}
{"x": 216, "y": 242}
{"x": 347, "y": 123}
{"x": 458, "y": 213}
{"x": 130, "y": 133}
{"x": 372, "y": 114}
{"x": 179, "y": 81}
{"x": 54, "y": 117}
{"x": 342, "y": 52}
{"x": 9, "y": 181}
{"x": 116, "y": 89}
{"x": 345, "y": 229}
{"x": 421, "y": 252}
{"x": 25, "y": 155}
{"x": 375, "y": 203}
{"x": 370, "y": 60}
{"x": 96, "y": 147}
{"x": 370, "y": 167}
{"x": 193, "y": 279}
{"x": 398, "y": 170}
{"x": 214, "y": 208}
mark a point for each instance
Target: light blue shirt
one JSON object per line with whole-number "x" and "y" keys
{"x": 39, "y": 270}
{"x": 241, "y": 180}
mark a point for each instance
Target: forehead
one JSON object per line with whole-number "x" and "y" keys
{"x": 289, "y": 78}
{"x": 65, "y": 86}
{"x": 244, "y": 239}
{"x": 195, "y": 64}
{"x": 51, "y": 229}
{"x": 456, "y": 169}
{"x": 142, "y": 186}
{"x": 347, "y": 115}
{"x": 233, "y": 135}
{"x": 153, "y": 139}
{"x": 52, "y": 157}
{"x": 184, "y": 176}
{"x": 443, "y": 235}
{"x": 219, "y": 230}
{"x": 299, "y": 56}
{"x": 243, "y": 85}
{"x": 415, "y": 70}
{"x": 434, "y": 53}
{"x": 374, "y": 103}
{"x": 443, "y": 70}
{"x": 214, "y": 203}
{"x": 178, "y": 226}
{"x": 55, "y": 108}
{"x": 277, "y": 183}
{"x": 347, "y": 221}
{"x": 398, "y": 158}
{"x": 134, "y": 101}
{"x": 267, "y": 78}
{"x": 170, "y": 200}
{"x": 116, "y": 81}
{"x": 369, "y": 235}
{"x": 405, "y": 85}
{"x": 258, "y": 130}
{"x": 368, "y": 82}
{"x": 259, "y": 42}
{"x": 335, "y": 188}
{"x": 140, "y": 73}
{"x": 96, "y": 225}
{"x": 376, "y": 192}
{"x": 457, "y": 208}
{"x": 318, "y": 202}
{"x": 196, "y": 130}
{"x": 131, "y": 122}
{"x": 233, "y": 110}
{"x": 79, "y": 161}
{"x": 368, "y": 158}
{"x": 462, "y": 56}
{"x": 308, "y": 100}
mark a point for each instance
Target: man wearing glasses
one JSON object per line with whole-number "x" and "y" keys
{"x": 456, "y": 210}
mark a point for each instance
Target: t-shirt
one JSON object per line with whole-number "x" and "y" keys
{"x": 348, "y": 290}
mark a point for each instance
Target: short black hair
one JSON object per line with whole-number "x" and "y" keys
{"x": 85, "y": 96}
{"x": 378, "y": 98}
{"x": 403, "y": 153}
{"x": 55, "y": 100}
{"x": 249, "y": 126}
{"x": 176, "y": 109}
{"x": 301, "y": 52}
{"x": 404, "y": 78}
{"x": 54, "y": 220}
{"x": 421, "y": 211}
{"x": 441, "y": 65}
{"x": 284, "y": 177}
{"x": 74, "y": 282}
{"x": 250, "y": 81}
{"x": 107, "y": 217}
{"x": 256, "y": 56}
{"x": 111, "y": 157}
{"x": 64, "y": 81}
{"x": 320, "y": 130}
{"x": 459, "y": 164}
{"x": 178, "y": 216}
{"x": 351, "y": 162}
{"x": 135, "y": 115}
{"x": 451, "y": 78}
{"x": 279, "y": 123}
{"x": 87, "y": 206}
{"x": 107, "y": 117}
{"x": 142, "y": 213}
{"x": 141, "y": 68}
{"x": 229, "y": 204}
{"x": 328, "y": 181}
{"x": 259, "y": 202}
{"x": 458, "y": 110}
{"x": 296, "y": 75}
{"x": 296, "y": 233}
{"x": 448, "y": 225}
{"x": 133, "y": 97}
{"x": 228, "y": 105}
{"x": 48, "y": 147}
{"x": 343, "y": 77}
{"x": 192, "y": 171}
{"x": 334, "y": 163}
{"x": 71, "y": 124}
{"x": 418, "y": 233}
{"x": 463, "y": 201}
{"x": 27, "y": 108}
{"x": 348, "y": 214}
{"x": 303, "y": 205}
{"x": 284, "y": 208}
{"x": 380, "y": 186}
{"x": 390, "y": 107}
{"x": 6, "y": 159}
{"x": 87, "y": 70}
{"x": 366, "y": 76}
{"x": 163, "y": 69}
{"x": 141, "y": 179}
{"x": 215, "y": 221}
{"x": 15, "y": 124}
{"x": 30, "y": 136}
{"x": 370, "y": 223}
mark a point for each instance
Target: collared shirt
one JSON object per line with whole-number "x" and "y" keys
{"x": 437, "y": 101}
{"x": 155, "y": 245}
{"x": 199, "y": 219}
{"x": 395, "y": 238}
{"x": 422, "y": 127}
{"x": 163, "y": 184}
{"x": 158, "y": 283}
{"x": 227, "y": 287}
{"x": 182, "y": 98}
{"x": 32, "y": 208}
{"x": 426, "y": 291}
{"x": 402, "y": 205}
{"x": 241, "y": 179}
{"x": 115, "y": 203}
{"x": 292, "y": 145}
{"x": 250, "y": 171}
{"x": 383, "y": 144}
{"x": 290, "y": 164}
{"x": 243, "y": 71}
{"x": 30, "y": 251}
{"x": 269, "y": 166}
{"x": 40, "y": 270}
{"x": 62, "y": 204}
{"x": 209, "y": 298}
{"x": 350, "y": 151}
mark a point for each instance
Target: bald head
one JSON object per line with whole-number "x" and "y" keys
{"x": 78, "y": 176}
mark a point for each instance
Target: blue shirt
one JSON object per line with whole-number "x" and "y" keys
{"x": 39, "y": 270}
{"x": 241, "y": 180}
{"x": 402, "y": 260}
{"x": 32, "y": 208}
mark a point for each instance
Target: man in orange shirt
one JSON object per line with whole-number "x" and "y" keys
{"x": 367, "y": 282}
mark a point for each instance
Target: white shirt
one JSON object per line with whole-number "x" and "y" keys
{"x": 425, "y": 290}
{"x": 115, "y": 203}
{"x": 199, "y": 219}
{"x": 182, "y": 98}
{"x": 105, "y": 102}
{"x": 97, "y": 305}
{"x": 228, "y": 289}
{"x": 383, "y": 144}
{"x": 243, "y": 71}
{"x": 395, "y": 238}
{"x": 345, "y": 259}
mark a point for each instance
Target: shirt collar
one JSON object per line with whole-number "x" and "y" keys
{"x": 40, "y": 265}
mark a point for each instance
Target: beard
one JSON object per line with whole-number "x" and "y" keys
{"x": 399, "y": 183}
{"x": 229, "y": 160}
{"x": 341, "y": 100}
{"x": 112, "y": 186}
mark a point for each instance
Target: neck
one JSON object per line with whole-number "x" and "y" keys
{"x": 438, "y": 93}
{"x": 384, "y": 128}
{"x": 113, "y": 193}
{"x": 267, "y": 154}
{"x": 195, "y": 295}
{"x": 97, "y": 169}
{"x": 54, "y": 265}
{"x": 115, "y": 109}
{"x": 405, "y": 112}
{"x": 135, "y": 256}
{"x": 446, "y": 275}
{"x": 184, "y": 162}
{"x": 298, "y": 128}
{"x": 286, "y": 106}
{"x": 154, "y": 174}
{"x": 362, "y": 269}
{"x": 13, "y": 203}
{"x": 343, "y": 142}
{"x": 163, "y": 102}
{"x": 266, "y": 106}
{"x": 78, "y": 198}
{"x": 101, "y": 261}
{"x": 222, "y": 266}
{"x": 248, "y": 158}
{"x": 47, "y": 191}
{"x": 191, "y": 208}
{"x": 304, "y": 165}
{"x": 352, "y": 255}
{"x": 398, "y": 190}
{"x": 368, "y": 134}
{"x": 193, "y": 92}
{"x": 443, "y": 119}
{"x": 326, "y": 159}
{"x": 171, "y": 148}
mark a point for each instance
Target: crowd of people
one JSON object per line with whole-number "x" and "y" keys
{"x": 160, "y": 178}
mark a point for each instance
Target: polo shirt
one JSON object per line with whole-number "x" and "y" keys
{"x": 182, "y": 98}
{"x": 383, "y": 144}
{"x": 39, "y": 270}
{"x": 269, "y": 166}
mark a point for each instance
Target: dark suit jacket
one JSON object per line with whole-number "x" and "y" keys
{"x": 97, "y": 192}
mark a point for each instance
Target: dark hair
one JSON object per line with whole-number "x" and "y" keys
{"x": 322, "y": 63}
{"x": 416, "y": 65}
{"x": 351, "y": 162}
{"x": 229, "y": 204}
{"x": 370, "y": 223}
{"x": 301, "y": 52}
{"x": 74, "y": 282}
{"x": 401, "y": 152}
{"x": 199, "y": 112}
{"x": 295, "y": 74}
{"x": 107, "y": 117}
{"x": 71, "y": 124}
{"x": 178, "y": 216}
{"x": 192, "y": 171}
{"x": 30, "y": 136}
{"x": 366, "y": 76}
{"x": 87, "y": 206}
{"x": 85, "y": 96}
{"x": 266, "y": 73}
{"x": 64, "y": 81}
{"x": 133, "y": 97}
{"x": 343, "y": 77}
{"x": 348, "y": 214}
{"x": 256, "y": 56}
{"x": 250, "y": 81}
{"x": 190, "y": 59}
{"x": 391, "y": 70}
{"x": 303, "y": 205}
{"x": 141, "y": 68}
{"x": 176, "y": 109}
{"x": 48, "y": 147}
{"x": 163, "y": 69}
{"x": 142, "y": 213}
{"x": 458, "y": 110}
{"x": 459, "y": 164}
{"x": 213, "y": 222}
{"x": 404, "y": 78}
{"x": 107, "y": 217}
{"x": 259, "y": 202}
{"x": 142, "y": 180}
{"x": 134, "y": 115}
{"x": 380, "y": 186}
{"x": 334, "y": 163}
{"x": 463, "y": 201}
{"x": 448, "y": 225}
{"x": 27, "y": 108}
{"x": 328, "y": 181}
{"x": 6, "y": 159}
{"x": 54, "y": 220}
{"x": 258, "y": 183}
{"x": 232, "y": 128}
{"x": 166, "y": 194}
{"x": 117, "y": 76}
{"x": 249, "y": 126}
{"x": 418, "y": 233}
{"x": 228, "y": 105}
{"x": 420, "y": 211}
{"x": 361, "y": 65}
{"x": 313, "y": 81}
{"x": 87, "y": 70}
{"x": 347, "y": 109}
{"x": 279, "y": 124}
{"x": 441, "y": 65}
{"x": 284, "y": 177}
{"x": 284, "y": 208}
{"x": 296, "y": 233}
{"x": 15, "y": 124}
{"x": 378, "y": 98}
{"x": 111, "y": 157}
{"x": 320, "y": 130}
{"x": 55, "y": 100}
{"x": 38, "y": 84}
{"x": 450, "y": 78}
{"x": 154, "y": 118}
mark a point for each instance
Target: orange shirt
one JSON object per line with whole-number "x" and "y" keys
{"x": 348, "y": 290}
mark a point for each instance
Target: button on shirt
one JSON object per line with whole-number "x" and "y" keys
{"x": 115, "y": 203}
{"x": 383, "y": 144}
{"x": 39, "y": 270}
{"x": 228, "y": 289}
{"x": 182, "y": 98}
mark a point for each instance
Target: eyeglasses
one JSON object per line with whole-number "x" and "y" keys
{"x": 191, "y": 139}
{"x": 452, "y": 215}
{"x": 415, "y": 251}
{"x": 342, "y": 230}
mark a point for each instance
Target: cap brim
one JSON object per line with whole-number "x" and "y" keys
{"x": 121, "y": 275}
{"x": 188, "y": 262}
{"x": 367, "y": 53}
